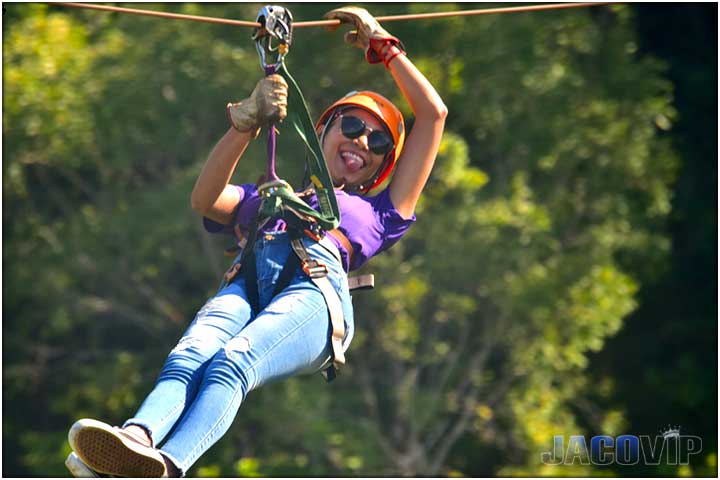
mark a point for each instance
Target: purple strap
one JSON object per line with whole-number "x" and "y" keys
{"x": 272, "y": 138}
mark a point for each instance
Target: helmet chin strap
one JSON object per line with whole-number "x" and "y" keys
{"x": 361, "y": 188}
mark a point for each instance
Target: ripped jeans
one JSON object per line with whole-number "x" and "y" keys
{"x": 228, "y": 350}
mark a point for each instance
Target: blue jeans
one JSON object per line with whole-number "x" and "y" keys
{"x": 228, "y": 350}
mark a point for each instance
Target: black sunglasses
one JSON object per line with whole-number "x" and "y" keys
{"x": 379, "y": 142}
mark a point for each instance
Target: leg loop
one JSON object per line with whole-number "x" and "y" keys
{"x": 317, "y": 272}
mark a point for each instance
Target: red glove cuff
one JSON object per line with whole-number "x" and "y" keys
{"x": 374, "y": 53}
{"x": 392, "y": 55}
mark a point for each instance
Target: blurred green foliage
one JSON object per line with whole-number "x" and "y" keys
{"x": 545, "y": 215}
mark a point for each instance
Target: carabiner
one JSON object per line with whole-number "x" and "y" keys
{"x": 275, "y": 22}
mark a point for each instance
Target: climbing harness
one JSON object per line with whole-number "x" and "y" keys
{"x": 279, "y": 200}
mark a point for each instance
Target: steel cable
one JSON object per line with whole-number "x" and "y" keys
{"x": 330, "y": 23}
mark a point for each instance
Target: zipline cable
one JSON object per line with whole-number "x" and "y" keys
{"x": 458, "y": 13}
{"x": 151, "y": 13}
{"x": 328, "y": 23}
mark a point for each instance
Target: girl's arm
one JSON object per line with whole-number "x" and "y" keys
{"x": 212, "y": 195}
{"x": 418, "y": 155}
{"x": 421, "y": 146}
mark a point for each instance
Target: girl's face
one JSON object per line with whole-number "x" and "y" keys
{"x": 350, "y": 161}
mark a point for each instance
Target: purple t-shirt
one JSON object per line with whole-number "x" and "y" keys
{"x": 371, "y": 224}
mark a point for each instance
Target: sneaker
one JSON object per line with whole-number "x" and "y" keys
{"x": 79, "y": 469}
{"x": 113, "y": 451}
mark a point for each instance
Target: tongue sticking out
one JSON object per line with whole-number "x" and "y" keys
{"x": 352, "y": 162}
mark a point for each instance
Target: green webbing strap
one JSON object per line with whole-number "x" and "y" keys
{"x": 278, "y": 193}
{"x": 305, "y": 128}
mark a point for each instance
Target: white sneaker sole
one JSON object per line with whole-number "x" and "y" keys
{"x": 78, "y": 469}
{"x": 104, "y": 450}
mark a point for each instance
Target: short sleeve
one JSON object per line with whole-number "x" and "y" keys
{"x": 394, "y": 225}
{"x": 212, "y": 226}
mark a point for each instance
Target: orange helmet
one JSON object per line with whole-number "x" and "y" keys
{"x": 387, "y": 113}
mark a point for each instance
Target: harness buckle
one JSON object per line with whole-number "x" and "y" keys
{"x": 314, "y": 268}
{"x": 312, "y": 235}
{"x": 232, "y": 272}
{"x": 313, "y": 232}
{"x": 272, "y": 187}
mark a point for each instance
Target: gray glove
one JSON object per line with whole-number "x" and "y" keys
{"x": 368, "y": 34}
{"x": 267, "y": 104}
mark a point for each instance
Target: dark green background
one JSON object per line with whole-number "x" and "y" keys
{"x": 560, "y": 280}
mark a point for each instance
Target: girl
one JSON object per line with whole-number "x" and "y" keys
{"x": 237, "y": 343}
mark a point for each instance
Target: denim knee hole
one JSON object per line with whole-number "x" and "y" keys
{"x": 237, "y": 345}
{"x": 185, "y": 344}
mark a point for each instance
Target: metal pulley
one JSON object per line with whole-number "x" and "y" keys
{"x": 275, "y": 25}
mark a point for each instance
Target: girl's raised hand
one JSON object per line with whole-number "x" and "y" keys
{"x": 368, "y": 34}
